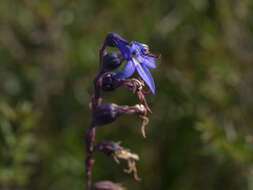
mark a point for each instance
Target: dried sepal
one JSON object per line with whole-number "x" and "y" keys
{"x": 131, "y": 158}
{"x": 145, "y": 122}
{"x": 125, "y": 154}
{"x": 137, "y": 87}
{"x": 132, "y": 169}
{"x": 140, "y": 110}
{"x": 142, "y": 115}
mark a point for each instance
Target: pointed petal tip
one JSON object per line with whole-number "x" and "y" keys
{"x": 153, "y": 91}
{"x": 145, "y": 74}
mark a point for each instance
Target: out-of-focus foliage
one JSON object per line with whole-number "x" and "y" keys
{"x": 200, "y": 135}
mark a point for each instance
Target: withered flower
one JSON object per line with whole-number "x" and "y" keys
{"x": 117, "y": 152}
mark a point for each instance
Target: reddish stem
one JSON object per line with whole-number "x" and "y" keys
{"x": 90, "y": 137}
{"x": 91, "y": 131}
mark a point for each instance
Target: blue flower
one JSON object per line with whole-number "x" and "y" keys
{"x": 138, "y": 58}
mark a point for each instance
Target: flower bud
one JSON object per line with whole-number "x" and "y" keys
{"x": 105, "y": 114}
{"x": 107, "y": 185}
{"x": 113, "y": 38}
{"x": 112, "y": 61}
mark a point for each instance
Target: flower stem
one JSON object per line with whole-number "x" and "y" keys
{"x": 91, "y": 131}
{"x": 90, "y": 136}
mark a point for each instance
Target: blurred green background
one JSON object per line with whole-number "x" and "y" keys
{"x": 200, "y": 135}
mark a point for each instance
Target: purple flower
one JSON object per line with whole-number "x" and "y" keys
{"x": 138, "y": 58}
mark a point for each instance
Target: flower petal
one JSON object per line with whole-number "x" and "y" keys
{"x": 146, "y": 76}
{"x": 127, "y": 71}
{"x": 124, "y": 49}
{"x": 141, "y": 55}
{"x": 147, "y": 61}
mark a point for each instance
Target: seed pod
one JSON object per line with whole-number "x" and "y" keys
{"x": 108, "y": 82}
{"x": 105, "y": 114}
